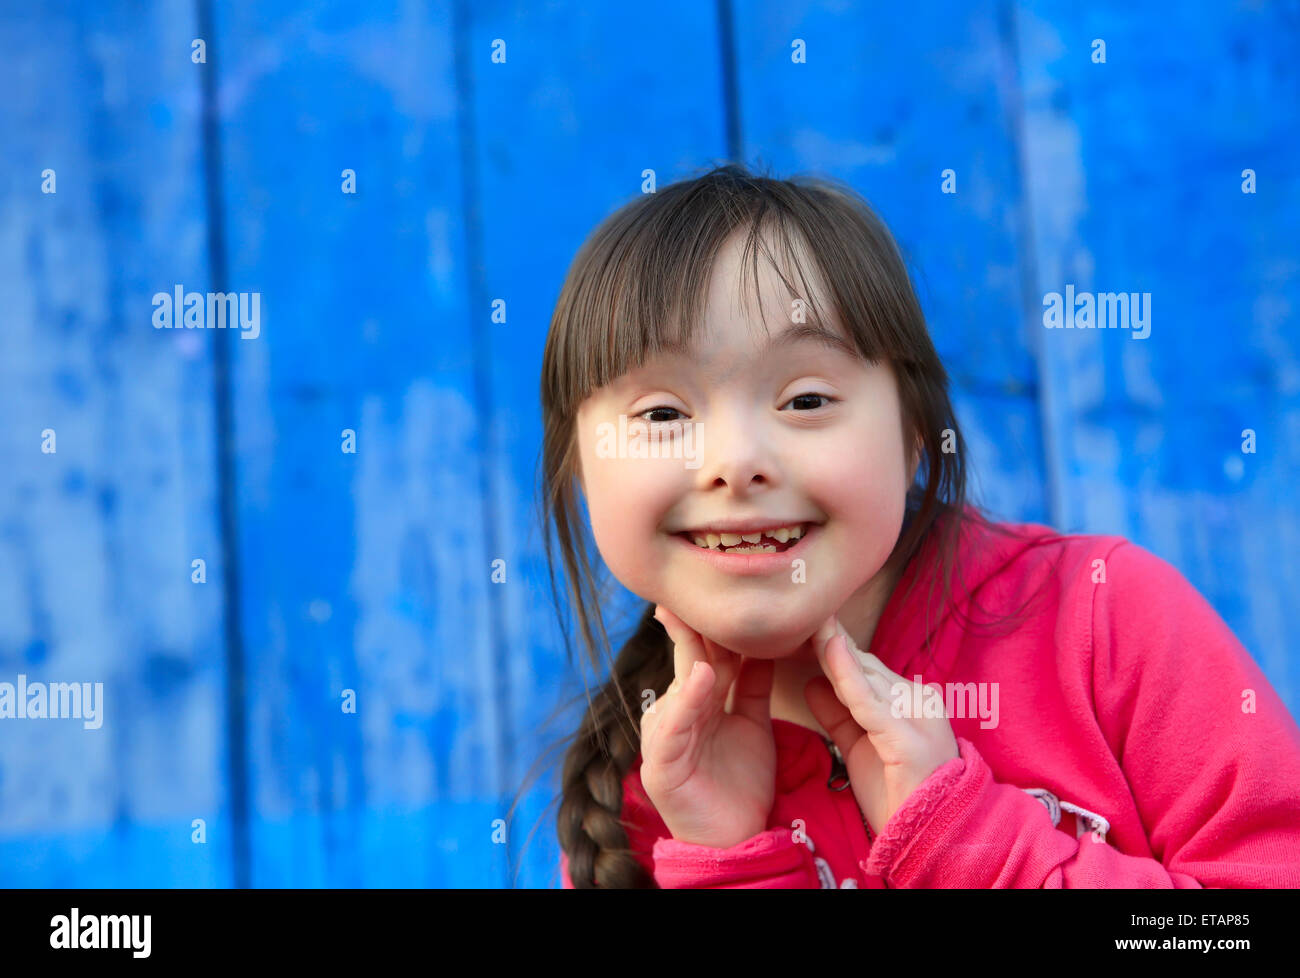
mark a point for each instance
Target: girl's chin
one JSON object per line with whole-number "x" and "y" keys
{"x": 773, "y": 643}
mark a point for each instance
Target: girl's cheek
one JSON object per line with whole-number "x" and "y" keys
{"x": 611, "y": 532}
{"x": 626, "y": 503}
{"x": 853, "y": 474}
{"x": 863, "y": 490}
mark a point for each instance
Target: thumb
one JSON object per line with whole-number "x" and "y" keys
{"x": 833, "y": 715}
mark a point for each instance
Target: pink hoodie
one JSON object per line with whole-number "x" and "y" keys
{"x": 1133, "y": 742}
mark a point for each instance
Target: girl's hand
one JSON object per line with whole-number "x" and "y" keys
{"x": 887, "y": 757}
{"x": 710, "y": 774}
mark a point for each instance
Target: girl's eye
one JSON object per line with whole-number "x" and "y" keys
{"x": 807, "y": 397}
{"x": 799, "y": 397}
{"x": 655, "y": 410}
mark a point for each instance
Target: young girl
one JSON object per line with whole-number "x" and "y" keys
{"x": 845, "y": 675}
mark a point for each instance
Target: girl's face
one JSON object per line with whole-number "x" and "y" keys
{"x": 795, "y": 432}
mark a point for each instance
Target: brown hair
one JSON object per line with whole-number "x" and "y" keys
{"x": 638, "y": 285}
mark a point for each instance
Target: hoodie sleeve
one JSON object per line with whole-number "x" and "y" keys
{"x": 1210, "y": 753}
{"x": 769, "y": 860}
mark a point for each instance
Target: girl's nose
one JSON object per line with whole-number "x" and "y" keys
{"x": 734, "y": 456}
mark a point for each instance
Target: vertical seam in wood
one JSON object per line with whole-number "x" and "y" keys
{"x": 1030, "y": 285}
{"x": 228, "y": 523}
{"x": 490, "y": 457}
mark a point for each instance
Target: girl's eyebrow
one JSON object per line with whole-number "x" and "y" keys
{"x": 811, "y": 330}
{"x": 794, "y": 334}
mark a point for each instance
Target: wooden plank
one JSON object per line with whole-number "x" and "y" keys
{"x": 97, "y": 538}
{"x": 363, "y": 571}
{"x": 1134, "y": 168}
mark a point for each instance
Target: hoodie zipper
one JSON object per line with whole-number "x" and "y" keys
{"x": 838, "y": 770}
{"x": 839, "y": 780}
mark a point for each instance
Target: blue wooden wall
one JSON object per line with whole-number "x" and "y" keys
{"x": 371, "y": 571}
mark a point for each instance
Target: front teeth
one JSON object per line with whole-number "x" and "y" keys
{"x": 781, "y": 535}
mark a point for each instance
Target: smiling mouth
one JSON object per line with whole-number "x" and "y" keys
{"x": 773, "y": 540}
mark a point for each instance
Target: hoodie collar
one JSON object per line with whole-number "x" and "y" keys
{"x": 802, "y": 755}
{"x": 912, "y": 615}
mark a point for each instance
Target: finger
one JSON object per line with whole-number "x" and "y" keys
{"x": 833, "y": 715}
{"x": 824, "y": 634}
{"x": 883, "y": 680}
{"x": 674, "y": 734}
{"x": 901, "y": 691}
{"x": 754, "y": 690}
{"x": 867, "y": 660}
{"x": 887, "y": 684}
{"x": 829, "y": 629}
{"x": 687, "y": 646}
{"x": 839, "y": 724}
{"x": 864, "y": 697}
